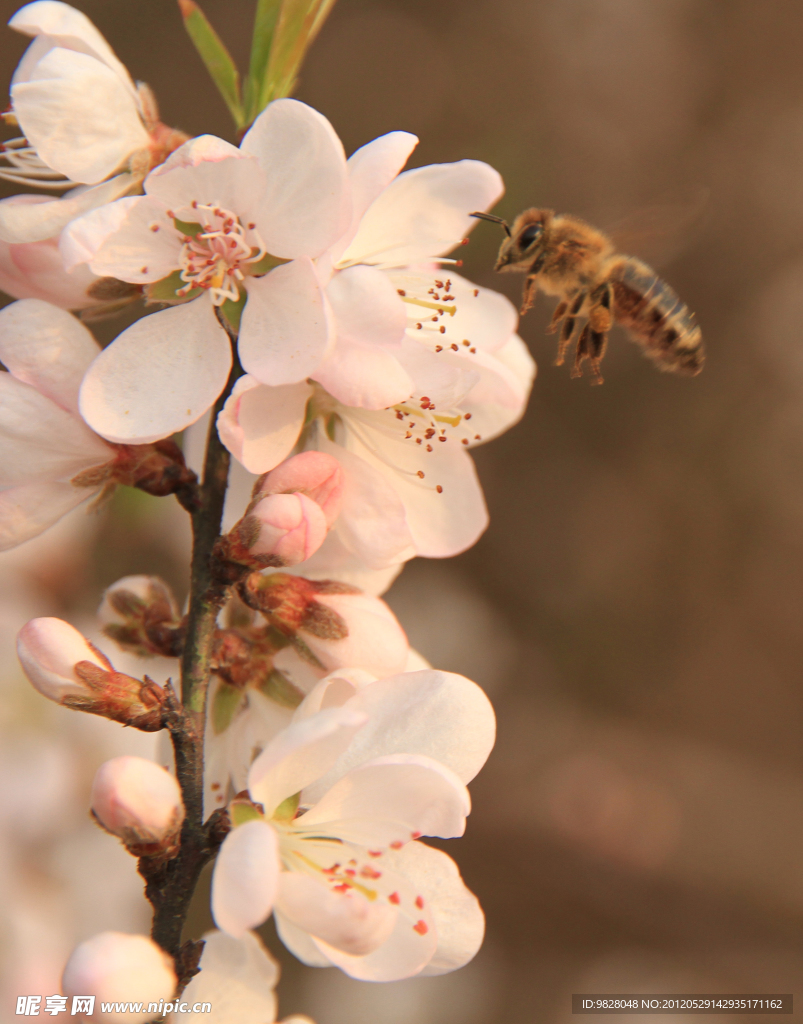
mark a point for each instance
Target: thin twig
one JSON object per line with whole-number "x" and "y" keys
{"x": 171, "y": 884}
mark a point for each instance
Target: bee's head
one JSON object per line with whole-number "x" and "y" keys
{"x": 523, "y": 240}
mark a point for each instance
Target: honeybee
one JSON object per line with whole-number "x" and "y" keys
{"x": 564, "y": 256}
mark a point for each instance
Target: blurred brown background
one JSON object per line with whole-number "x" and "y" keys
{"x": 635, "y": 608}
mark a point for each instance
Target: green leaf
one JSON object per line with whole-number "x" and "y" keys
{"x": 215, "y": 56}
{"x": 267, "y": 15}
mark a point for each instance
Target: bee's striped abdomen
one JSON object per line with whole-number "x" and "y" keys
{"x": 656, "y": 318}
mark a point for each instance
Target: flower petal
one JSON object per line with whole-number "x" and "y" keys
{"x": 389, "y": 800}
{"x": 457, "y": 915}
{"x": 410, "y": 946}
{"x": 441, "y": 523}
{"x": 424, "y": 213}
{"x": 46, "y": 348}
{"x": 360, "y": 376}
{"x": 371, "y": 169}
{"x": 238, "y": 978}
{"x": 130, "y": 239}
{"x": 376, "y": 641}
{"x": 59, "y": 112}
{"x": 35, "y": 270}
{"x": 499, "y": 400}
{"x": 306, "y": 205}
{"x": 299, "y": 942}
{"x": 260, "y": 425}
{"x": 27, "y": 511}
{"x": 300, "y": 754}
{"x": 348, "y": 921}
{"x": 62, "y": 25}
{"x": 334, "y": 561}
{"x": 40, "y": 440}
{"x": 441, "y": 715}
{"x": 285, "y": 329}
{"x": 35, "y": 222}
{"x": 207, "y": 170}
{"x": 246, "y": 877}
{"x": 362, "y": 369}
{"x": 372, "y": 523}
{"x": 159, "y": 376}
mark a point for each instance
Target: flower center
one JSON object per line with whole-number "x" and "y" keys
{"x": 214, "y": 254}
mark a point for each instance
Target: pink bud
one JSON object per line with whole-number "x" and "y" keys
{"x": 115, "y": 967}
{"x": 291, "y": 526}
{"x": 140, "y": 802}
{"x": 49, "y": 650}
{"x": 318, "y": 476}
{"x": 375, "y": 642}
{"x": 63, "y": 666}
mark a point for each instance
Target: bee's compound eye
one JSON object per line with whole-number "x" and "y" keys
{"x": 529, "y": 235}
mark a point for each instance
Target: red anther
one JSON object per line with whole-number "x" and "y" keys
{"x": 374, "y": 853}
{"x": 401, "y": 291}
{"x": 394, "y": 898}
{"x": 419, "y": 902}
{"x": 369, "y": 872}
{"x": 476, "y": 292}
{"x": 396, "y": 845}
{"x": 467, "y": 416}
{"x": 421, "y": 927}
{"x": 439, "y": 348}
{"x": 420, "y": 474}
{"x": 442, "y": 329}
{"x": 464, "y": 242}
{"x": 439, "y": 489}
{"x": 343, "y": 887}
{"x": 453, "y": 347}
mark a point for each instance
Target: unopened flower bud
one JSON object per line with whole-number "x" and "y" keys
{"x": 140, "y": 614}
{"x": 290, "y": 527}
{"x": 65, "y": 667}
{"x": 120, "y": 968}
{"x": 314, "y": 474}
{"x": 284, "y": 524}
{"x": 140, "y": 802}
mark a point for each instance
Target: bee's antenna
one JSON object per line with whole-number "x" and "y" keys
{"x": 494, "y": 220}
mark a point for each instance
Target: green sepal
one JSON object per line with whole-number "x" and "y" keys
{"x": 241, "y": 813}
{"x": 286, "y": 810}
{"x": 188, "y": 227}
{"x": 278, "y": 688}
{"x": 267, "y": 263}
{"x": 233, "y": 311}
{"x": 224, "y": 705}
{"x": 166, "y": 289}
{"x": 215, "y": 56}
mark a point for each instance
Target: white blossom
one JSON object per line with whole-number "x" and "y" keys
{"x": 84, "y": 121}
{"x": 346, "y": 791}
{"x": 213, "y": 220}
{"x": 48, "y": 453}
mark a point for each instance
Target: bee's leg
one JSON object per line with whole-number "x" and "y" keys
{"x": 567, "y": 330}
{"x": 600, "y": 321}
{"x": 530, "y": 291}
{"x": 557, "y": 316}
{"x": 531, "y": 284}
{"x": 581, "y": 352}
{"x": 597, "y": 344}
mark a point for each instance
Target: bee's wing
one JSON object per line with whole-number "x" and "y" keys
{"x": 660, "y": 232}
